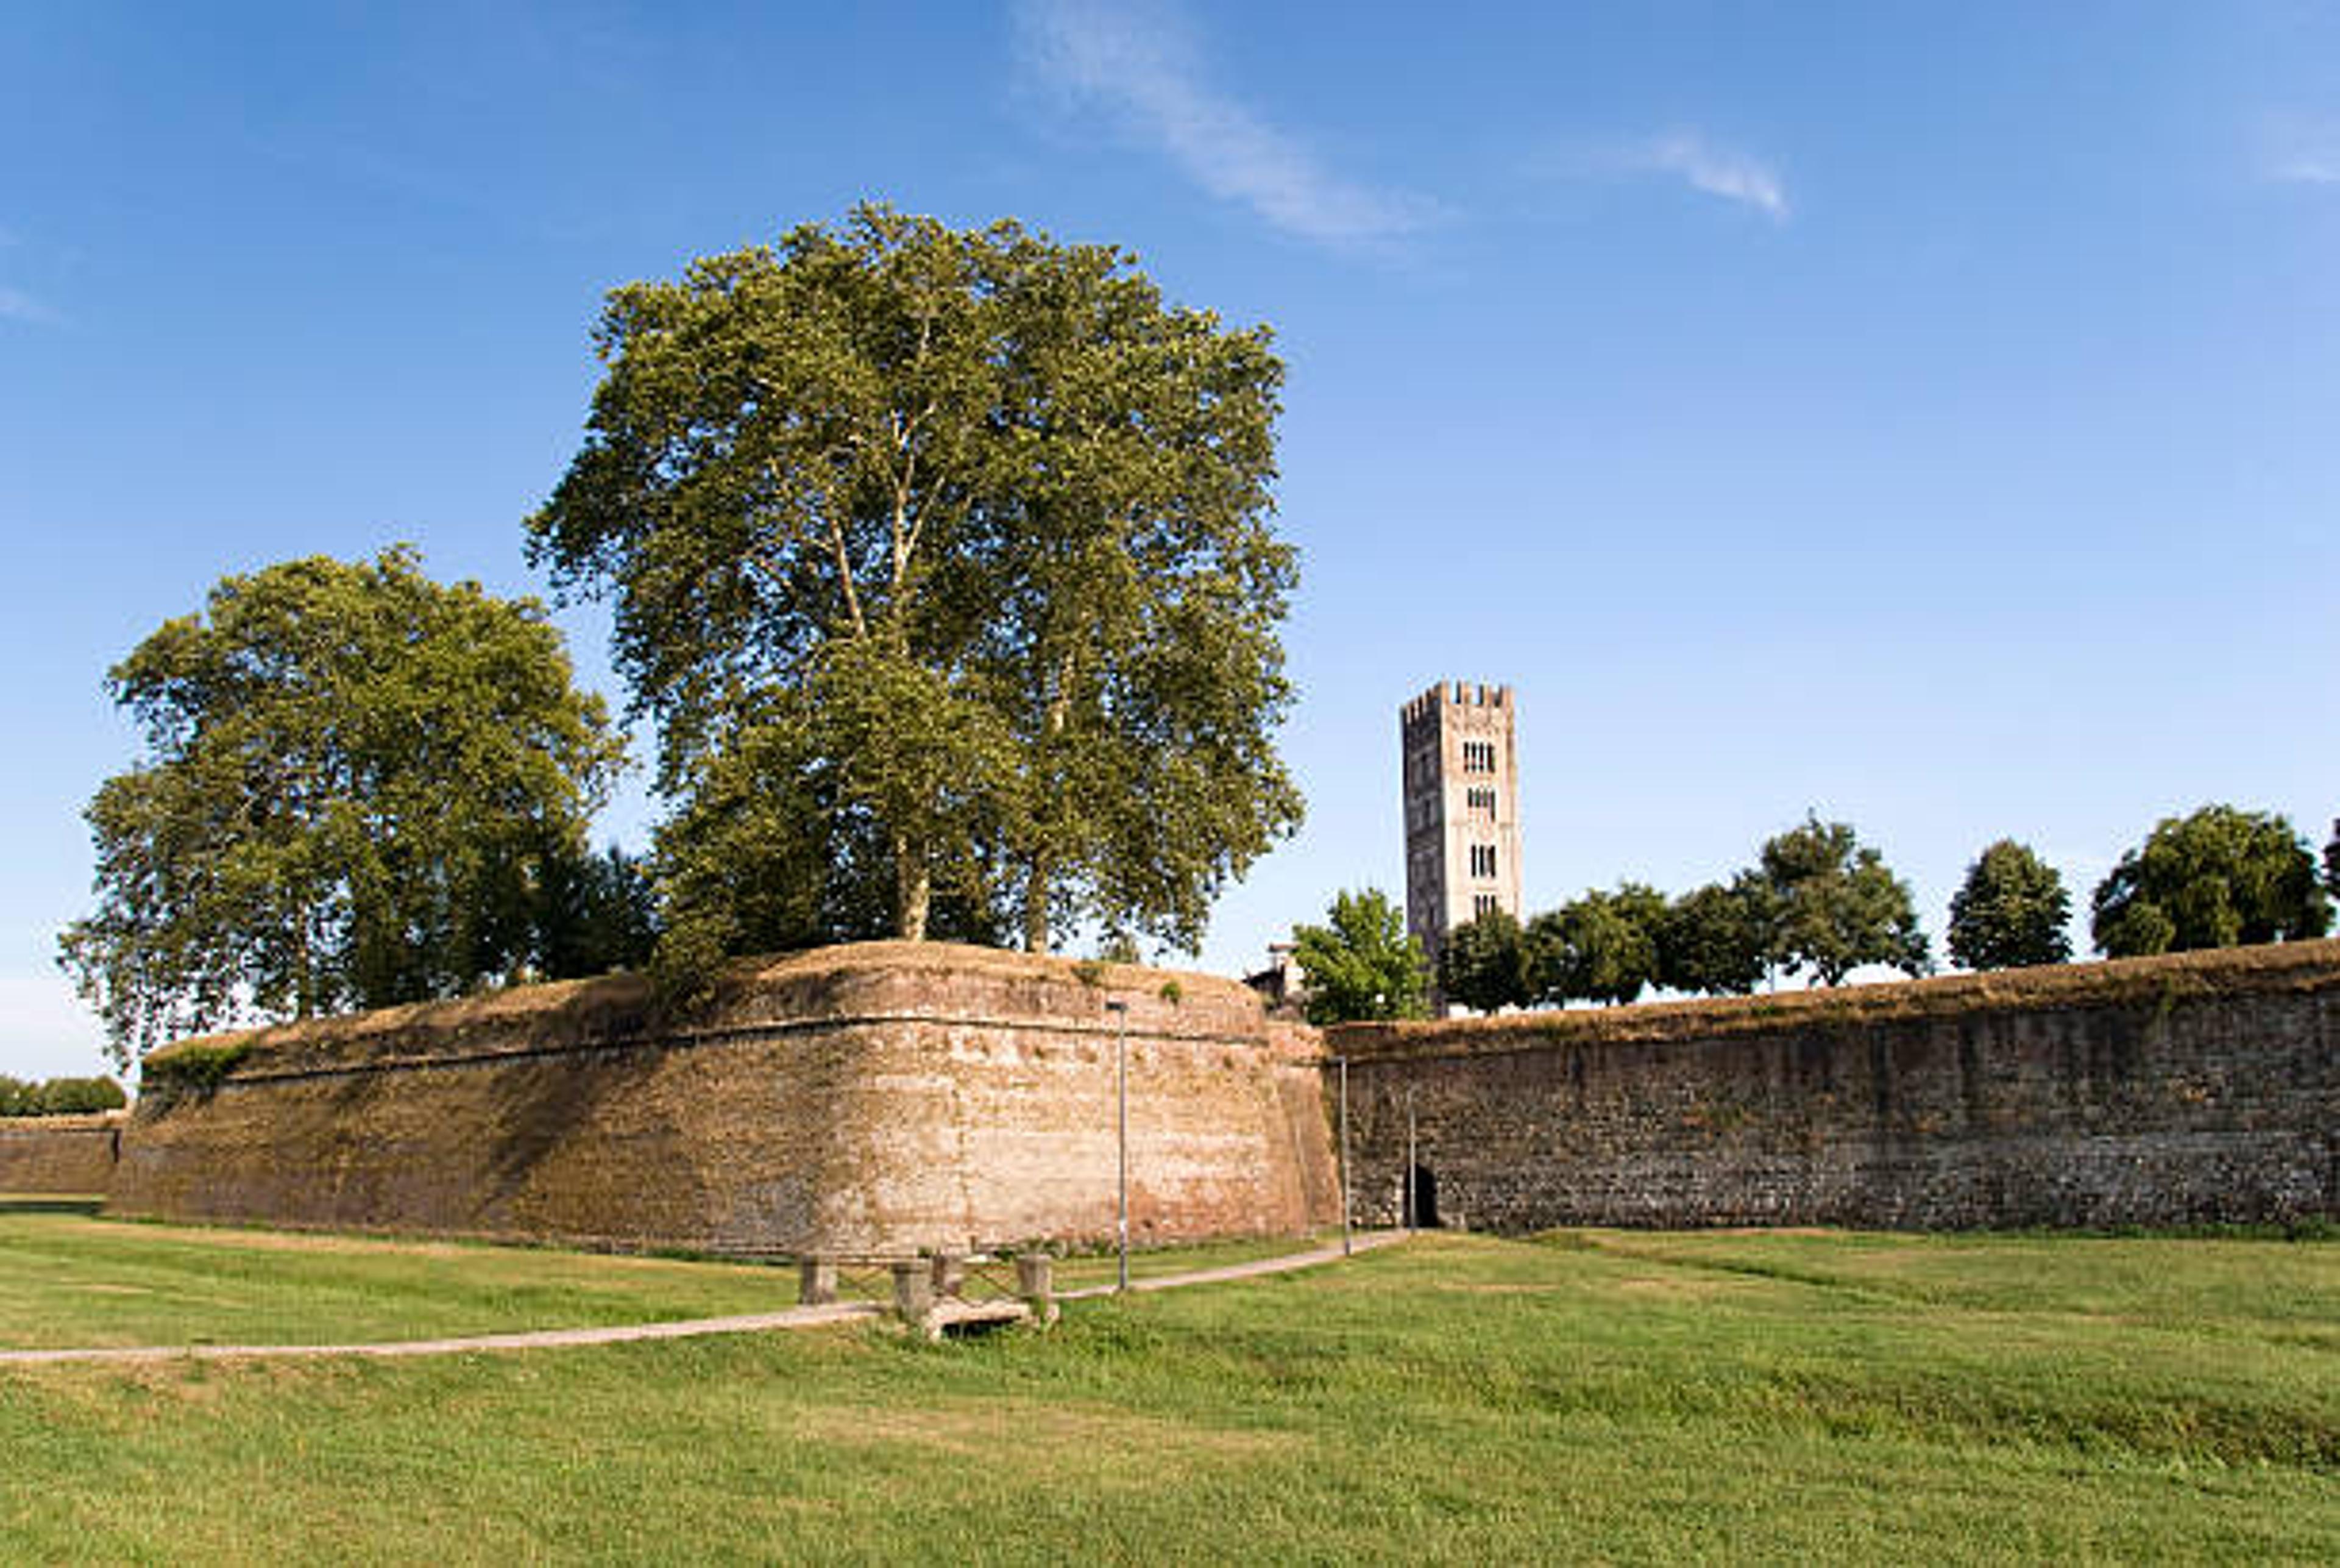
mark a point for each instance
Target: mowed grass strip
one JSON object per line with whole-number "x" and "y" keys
{"x": 69, "y": 1279}
{"x": 1597, "y": 1396}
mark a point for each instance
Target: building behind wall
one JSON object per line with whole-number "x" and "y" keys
{"x": 1462, "y": 809}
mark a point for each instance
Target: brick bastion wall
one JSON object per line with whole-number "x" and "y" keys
{"x": 69, "y": 1154}
{"x": 877, "y": 1096}
{"x": 2196, "y": 1087}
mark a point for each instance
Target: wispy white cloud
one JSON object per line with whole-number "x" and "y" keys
{"x": 1718, "y": 171}
{"x": 16, "y": 305}
{"x": 2300, "y": 149}
{"x": 1139, "y": 65}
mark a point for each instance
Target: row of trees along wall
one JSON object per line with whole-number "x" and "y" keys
{"x": 2187, "y": 1088}
{"x": 1819, "y": 902}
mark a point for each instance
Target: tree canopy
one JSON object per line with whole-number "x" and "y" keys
{"x": 942, "y": 561}
{"x": 59, "y": 1096}
{"x": 1485, "y": 964}
{"x": 1362, "y": 963}
{"x": 2011, "y": 911}
{"x": 355, "y": 781}
{"x": 1598, "y": 948}
{"x": 1717, "y": 940}
{"x": 600, "y": 914}
{"x": 2220, "y": 878}
{"x": 1835, "y": 906}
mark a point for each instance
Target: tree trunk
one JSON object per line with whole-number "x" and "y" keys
{"x": 913, "y": 892}
{"x": 1036, "y": 907}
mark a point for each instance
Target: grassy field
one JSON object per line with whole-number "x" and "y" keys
{"x": 1599, "y": 1395}
{"x": 73, "y": 1279}
{"x": 67, "y": 1278}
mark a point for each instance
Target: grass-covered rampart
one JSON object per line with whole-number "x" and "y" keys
{"x": 2158, "y": 983}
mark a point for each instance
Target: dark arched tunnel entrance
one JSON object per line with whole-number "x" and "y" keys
{"x": 1423, "y": 1195}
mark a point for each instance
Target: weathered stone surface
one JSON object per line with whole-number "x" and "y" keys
{"x": 2199, "y": 1088}
{"x": 883, "y": 1097}
{"x": 69, "y": 1154}
{"x": 886, "y": 1098}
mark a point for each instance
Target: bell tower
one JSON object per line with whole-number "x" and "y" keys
{"x": 1458, "y": 742}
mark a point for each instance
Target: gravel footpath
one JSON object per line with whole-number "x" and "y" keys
{"x": 621, "y": 1334}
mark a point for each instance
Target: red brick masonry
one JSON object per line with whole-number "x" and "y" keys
{"x": 878, "y": 1097}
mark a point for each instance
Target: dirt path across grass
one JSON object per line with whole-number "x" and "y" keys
{"x": 1365, "y": 1240}
{"x": 688, "y": 1329}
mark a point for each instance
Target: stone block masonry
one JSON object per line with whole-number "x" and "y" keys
{"x": 882, "y": 1097}
{"x": 889, "y": 1098}
{"x": 2186, "y": 1089}
{"x": 72, "y": 1154}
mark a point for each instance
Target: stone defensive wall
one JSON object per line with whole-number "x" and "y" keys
{"x": 2197, "y": 1087}
{"x": 70, "y": 1153}
{"x": 876, "y": 1098}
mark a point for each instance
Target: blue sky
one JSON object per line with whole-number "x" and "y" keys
{"x": 1923, "y": 414}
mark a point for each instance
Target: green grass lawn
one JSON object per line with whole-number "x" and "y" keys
{"x": 1592, "y": 1395}
{"x": 74, "y": 1279}
{"x": 67, "y": 1279}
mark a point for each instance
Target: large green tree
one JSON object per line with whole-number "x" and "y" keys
{"x": 1717, "y": 940}
{"x": 1363, "y": 963}
{"x": 1835, "y": 906}
{"x": 1598, "y": 948}
{"x": 2332, "y": 861}
{"x": 354, "y": 780}
{"x": 1483, "y": 964}
{"x": 2220, "y": 878}
{"x": 2011, "y": 912}
{"x": 600, "y": 914}
{"x": 942, "y": 561}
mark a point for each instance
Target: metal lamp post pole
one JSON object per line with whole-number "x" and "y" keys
{"x": 1413, "y": 1166}
{"x": 1347, "y": 1246}
{"x": 1120, "y": 1010}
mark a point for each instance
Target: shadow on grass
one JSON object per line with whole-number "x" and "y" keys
{"x": 50, "y": 1203}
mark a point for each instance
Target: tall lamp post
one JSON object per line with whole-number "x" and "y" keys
{"x": 1120, "y": 1011}
{"x": 1348, "y": 1247}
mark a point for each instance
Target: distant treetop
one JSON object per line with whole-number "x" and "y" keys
{"x": 2220, "y": 878}
{"x": 2011, "y": 911}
